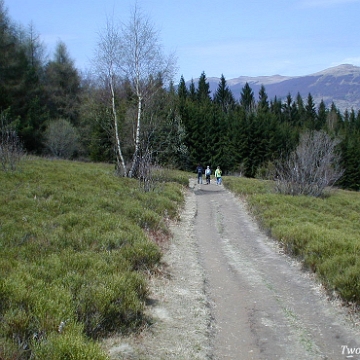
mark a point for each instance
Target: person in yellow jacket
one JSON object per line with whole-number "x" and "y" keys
{"x": 218, "y": 173}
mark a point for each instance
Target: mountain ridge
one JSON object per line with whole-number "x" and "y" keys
{"x": 339, "y": 85}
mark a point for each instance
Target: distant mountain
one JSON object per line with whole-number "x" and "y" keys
{"x": 339, "y": 84}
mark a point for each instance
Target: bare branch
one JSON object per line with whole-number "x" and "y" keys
{"x": 11, "y": 150}
{"x": 107, "y": 67}
{"x": 311, "y": 168}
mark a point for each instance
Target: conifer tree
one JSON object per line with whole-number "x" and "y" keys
{"x": 301, "y": 118}
{"x": 290, "y": 112}
{"x": 350, "y": 161}
{"x": 63, "y": 86}
{"x": 247, "y": 100}
{"x": 192, "y": 91}
{"x": 310, "y": 111}
{"x": 357, "y": 121}
{"x": 13, "y": 66}
{"x": 203, "y": 90}
{"x": 276, "y": 108}
{"x": 182, "y": 93}
{"x": 223, "y": 96}
{"x": 263, "y": 103}
{"x": 35, "y": 112}
{"x": 182, "y": 89}
{"x": 352, "y": 120}
{"x": 321, "y": 116}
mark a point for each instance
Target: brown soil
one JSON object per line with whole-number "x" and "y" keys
{"x": 231, "y": 293}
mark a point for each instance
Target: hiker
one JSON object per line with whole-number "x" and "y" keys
{"x": 218, "y": 173}
{"x": 199, "y": 171}
{"x": 207, "y": 174}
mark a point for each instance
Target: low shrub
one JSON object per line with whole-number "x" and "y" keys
{"x": 142, "y": 255}
{"x": 114, "y": 304}
{"x": 341, "y": 272}
{"x": 70, "y": 343}
{"x": 245, "y": 186}
{"x": 161, "y": 175}
{"x": 74, "y": 246}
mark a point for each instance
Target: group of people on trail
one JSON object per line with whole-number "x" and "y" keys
{"x": 200, "y": 171}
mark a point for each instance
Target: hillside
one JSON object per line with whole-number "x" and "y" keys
{"x": 339, "y": 84}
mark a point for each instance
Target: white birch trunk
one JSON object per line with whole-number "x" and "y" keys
{"x": 137, "y": 138}
{"x": 119, "y": 156}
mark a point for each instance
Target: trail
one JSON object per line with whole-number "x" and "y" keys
{"x": 263, "y": 305}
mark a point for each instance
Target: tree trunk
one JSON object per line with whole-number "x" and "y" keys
{"x": 135, "y": 162}
{"x": 120, "y": 162}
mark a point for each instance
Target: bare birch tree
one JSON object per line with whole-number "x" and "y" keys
{"x": 132, "y": 53}
{"x": 142, "y": 63}
{"x": 107, "y": 66}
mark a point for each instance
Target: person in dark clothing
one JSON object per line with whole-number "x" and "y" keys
{"x": 200, "y": 171}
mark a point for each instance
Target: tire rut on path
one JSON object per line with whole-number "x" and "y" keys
{"x": 264, "y": 306}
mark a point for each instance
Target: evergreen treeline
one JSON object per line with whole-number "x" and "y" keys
{"x": 56, "y": 110}
{"x": 248, "y": 135}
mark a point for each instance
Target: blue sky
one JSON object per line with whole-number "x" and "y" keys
{"x": 230, "y": 37}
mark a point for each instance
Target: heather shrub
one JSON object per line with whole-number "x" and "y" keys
{"x": 68, "y": 343}
{"x": 142, "y": 255}
{"x": 114, "y": 304}
{"x": 341, "y": 273}
{"x": 245, "y": 186}
{"x": 162, "y": 175}
{"x": 33, "y": 307}
{"x": 74, "y": 245}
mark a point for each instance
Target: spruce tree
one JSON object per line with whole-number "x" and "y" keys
{"x": 310, "y": 111}
{"x": 182, "y": 90}
{"x": 13, "y": 66}
{"x": 288, "y": 109}
{"x": 301, "y": 118}
{"x": 247, "y": 100}
{"x": 192, "y": 91}
{"x": 321, "y": 116}
{"x": 263, "y": 103}
{"x": 276, "y": 108}
{"x": 350, "y": 161}
{"x": 182, "y": 93}
{"x": 63, "y": 86}
{"x": 223, "y": 96}
{"x": 352, "y": 120}
{"x": 203, "y": 90}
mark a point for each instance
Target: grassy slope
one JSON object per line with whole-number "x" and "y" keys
{"x": 325, "y": 233}
{"x": 73, "y": 247}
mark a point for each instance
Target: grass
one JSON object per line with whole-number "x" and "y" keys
{"x": 75, "y": 248}
{"x": 323, "y": 232}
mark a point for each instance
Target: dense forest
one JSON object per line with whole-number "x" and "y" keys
{"x": 54, "y": 109}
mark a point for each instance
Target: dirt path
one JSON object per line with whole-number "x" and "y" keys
{"x": 264, "y": 306}
{"x": 232, "y": 294}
